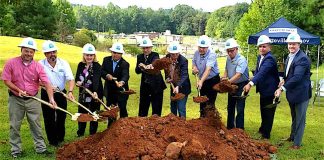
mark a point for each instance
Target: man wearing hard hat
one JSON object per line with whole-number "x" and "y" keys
{"x": 179, "y": 78}
{"x": 204, "y": 63}
{"x": 115, "y": 66}
{"x": 266, "y": 80}
{"x": 152, "y": 86}
{"x": 58, "y": 72}
{"x": 297, "y": 86}
{"x": 23, "y": 77}
{"x": 236, "y": 71}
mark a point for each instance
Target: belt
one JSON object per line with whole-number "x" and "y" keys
{"x": 24, "y": 98}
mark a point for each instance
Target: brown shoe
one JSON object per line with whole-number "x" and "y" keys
{"x": 294, "y": 147}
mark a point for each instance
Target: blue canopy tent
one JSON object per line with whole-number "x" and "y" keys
{"x": 278, "y": 32}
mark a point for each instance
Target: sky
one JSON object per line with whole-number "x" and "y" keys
{"x": 206, "y": 5}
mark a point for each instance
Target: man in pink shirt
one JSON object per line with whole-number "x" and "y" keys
{"x": 23, "y": 77}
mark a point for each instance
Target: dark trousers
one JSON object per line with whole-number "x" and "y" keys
{"x": 54, "y": 120}
{"x": 267, "y": 115}
{"x": 207, "y": 90}
{"x": 298, "y": 118}
{"x": 120, "y": 100}
{"x": 239, "y": 104}
{"x": 148, "y": 95}
{"x": 92, "y": 106}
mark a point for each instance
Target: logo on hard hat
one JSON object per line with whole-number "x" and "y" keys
{"x": 90, "y": 49}
{"x": 261, "y": 40}
{"x": 51, "y": 45}
{"x": 292, "y": 38}
{"x": 118, "y": 47}
{"x": 203, "y": 42}
{"x": 228, "y": 44}
{"x": 144, "y": 42}
{"x": 30, "y": 43}
{"x": 174, "y": 48}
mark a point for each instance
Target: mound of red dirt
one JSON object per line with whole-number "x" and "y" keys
{"x": 169, "y": 137}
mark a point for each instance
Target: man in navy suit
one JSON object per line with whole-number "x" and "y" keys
{"x": 115, "y": 66}
{"x": 297, "y": 85}
{"x": 266, "y": 80}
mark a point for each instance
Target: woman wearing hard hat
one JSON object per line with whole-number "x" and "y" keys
{"x": 116, "y": 68}
{"x": 23, "y": 75}
{"x": 266, "y": 80}
{"x": 179, "y": 78}
{"x": 204, "y": 63}
{"x": 88, "y": 75}
{"x": 297, "y": 85}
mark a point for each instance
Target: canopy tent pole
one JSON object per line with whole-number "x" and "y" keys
{"x": 306, "y": 50}
{"x": 247, "y": 54}
{"x": 317, "y": 66}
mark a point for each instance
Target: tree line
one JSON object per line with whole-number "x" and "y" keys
{"x": 56, "y": 19}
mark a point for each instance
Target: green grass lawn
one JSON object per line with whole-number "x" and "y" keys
{"x": 313, "y": 141}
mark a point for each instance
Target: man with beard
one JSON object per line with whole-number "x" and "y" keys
{"x": 23, "y": 76}
{"x": 58, "y": 72}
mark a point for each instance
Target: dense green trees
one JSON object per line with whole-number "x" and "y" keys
{"x": 39, "y": 19}
{"x": 222, "y": 22}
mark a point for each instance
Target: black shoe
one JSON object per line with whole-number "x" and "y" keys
{"x": 54, "y": 144}
{"x": 46, "y": 152}
{"x": 16, "y": 155}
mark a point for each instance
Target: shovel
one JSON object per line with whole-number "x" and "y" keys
{"x": 275, "y": 102}
{"x": 75, "y": 117}
{"x": 177, "y": 96}
{"x": 199, "y": 99}
{"x": 112, "y": 112}
{"x": 95, "y": 116}
{"x": 123, "y": 91}
{"x": 243, "y": 95}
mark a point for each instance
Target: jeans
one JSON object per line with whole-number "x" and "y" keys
{"x": 239, "y": 104}
{"x": 179, "y": 107}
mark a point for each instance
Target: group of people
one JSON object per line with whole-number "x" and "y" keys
{"x": 23, "y": 76}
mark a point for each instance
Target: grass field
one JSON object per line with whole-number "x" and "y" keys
{"x": 313, "y": 141}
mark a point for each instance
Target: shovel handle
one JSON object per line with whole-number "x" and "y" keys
{"x": 197, "y": 79}
{"x": 76, "y": 102}
{"x": 49, "y": 104}
{"x": 92, "y": 95}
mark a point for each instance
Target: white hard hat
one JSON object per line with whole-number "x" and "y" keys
{"x": 294, "y": 37}
{"x": 263, "y": 39}
{"x": 49, "y": 46}
{"x": 89, "y": 49}
{"x": 203, "y": 41}
{"x": 117, "y": 47}
{"x": 146, "y": 42}
{"x": 174, "y": 47}
{"x": 28, "y": 43}
{"x": 231, "y": 43}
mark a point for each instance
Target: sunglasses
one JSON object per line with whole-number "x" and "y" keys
{"x": 116, "y": 53}
{"x": 230, "y": 50}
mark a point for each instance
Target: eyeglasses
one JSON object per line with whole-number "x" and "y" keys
{"x": 230, "y": 50}
{"x": 146, "y": 47}
{"x": 115, "y": 53}
{"x": 52, "y": 52}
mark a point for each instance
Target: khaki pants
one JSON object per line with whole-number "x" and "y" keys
{"x": 18, "y": 107}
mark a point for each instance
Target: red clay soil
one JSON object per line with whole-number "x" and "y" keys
{"x": 112, "y": 113}
{"x": 200, "y": 99}
{"x": 165, "y": 138}
{"x": 85, "y": 118}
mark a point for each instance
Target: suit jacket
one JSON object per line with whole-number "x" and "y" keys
{"x": 181, "y": 69}
{"x": 96, "y": 79}
{"x": 154, "y": 81}
{"x": 121, "y": 73}
{"x": 266, "y": 77}
{"x": 297, "y": 81}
